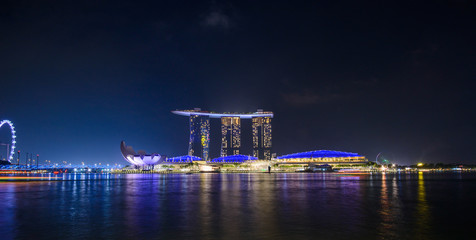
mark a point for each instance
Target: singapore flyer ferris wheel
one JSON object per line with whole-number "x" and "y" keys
{"x": 12, "y": 145}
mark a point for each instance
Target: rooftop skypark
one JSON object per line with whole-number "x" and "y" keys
{"x": 199, "y": 112}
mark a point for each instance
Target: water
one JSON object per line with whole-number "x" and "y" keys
{"x": 241, "y": 206}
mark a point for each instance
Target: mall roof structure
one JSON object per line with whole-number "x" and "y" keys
{"x": 320, "y": 154}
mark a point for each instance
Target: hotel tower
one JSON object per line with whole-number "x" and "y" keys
{"x": 230, "y": 132}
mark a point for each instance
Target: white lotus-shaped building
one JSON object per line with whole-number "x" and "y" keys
{"x": 140, "y": 158}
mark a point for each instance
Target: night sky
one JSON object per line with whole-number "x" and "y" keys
{"x": 396, "y": 77}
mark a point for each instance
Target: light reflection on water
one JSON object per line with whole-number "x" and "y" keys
{"x": 423, "y": 211}
{"x": 239, "y": 206}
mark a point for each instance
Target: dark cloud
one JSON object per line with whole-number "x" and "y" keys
{"x": 216, "y": 19}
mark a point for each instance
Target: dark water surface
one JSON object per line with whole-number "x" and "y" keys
{"x": 241, "y": 206}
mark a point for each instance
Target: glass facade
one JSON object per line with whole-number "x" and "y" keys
{"x": 199, "y": 137}
{"x": 322, "y": 156}
{"x": 233, "y": 159}
{"x": 262, "y": 138}
{"x": 182, "y": 159}
{"x": 230, "y": 136}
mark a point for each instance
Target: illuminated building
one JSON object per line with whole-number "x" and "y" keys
{"x": 261, "y": 127}
{"x": 230, "y": 132}
{"x": 230, "y": 136}
{"x": 233, "y": 159}
{"x": 199, "y": 141}
{"x": 140, "y": 159}
{"x": 323, "y": 157}
{"x": 183, "y": 159}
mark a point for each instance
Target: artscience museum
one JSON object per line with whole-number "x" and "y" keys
{"x": 140, "y": 159}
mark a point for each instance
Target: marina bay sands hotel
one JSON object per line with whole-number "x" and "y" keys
{"x": 230, "y": 132}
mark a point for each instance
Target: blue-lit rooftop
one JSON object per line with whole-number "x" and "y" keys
{"x": 183, "y": 159}
{"x": 320, "y": 154}
{"x": 233, "y": 159}
{"x": 220, "y": 115}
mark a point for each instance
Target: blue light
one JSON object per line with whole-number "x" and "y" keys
{"x": 233, "y": 159}
{"x": 183, "y": 159}
{"x": 12, "y": 129}
{"x": 319, "y": 154}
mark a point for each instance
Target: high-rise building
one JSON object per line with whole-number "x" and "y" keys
{"x": 230, "y": 132}
{"x": 199, "y": 136}
{"x": 262, "y": 138}
{"x": 230, "y": 136}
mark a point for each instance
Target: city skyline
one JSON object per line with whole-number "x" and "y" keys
{"x": 237, "y": 119}
{"x": 394, "y": 78}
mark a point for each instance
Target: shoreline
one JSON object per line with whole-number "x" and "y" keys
{"x": 317, "y": 172}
